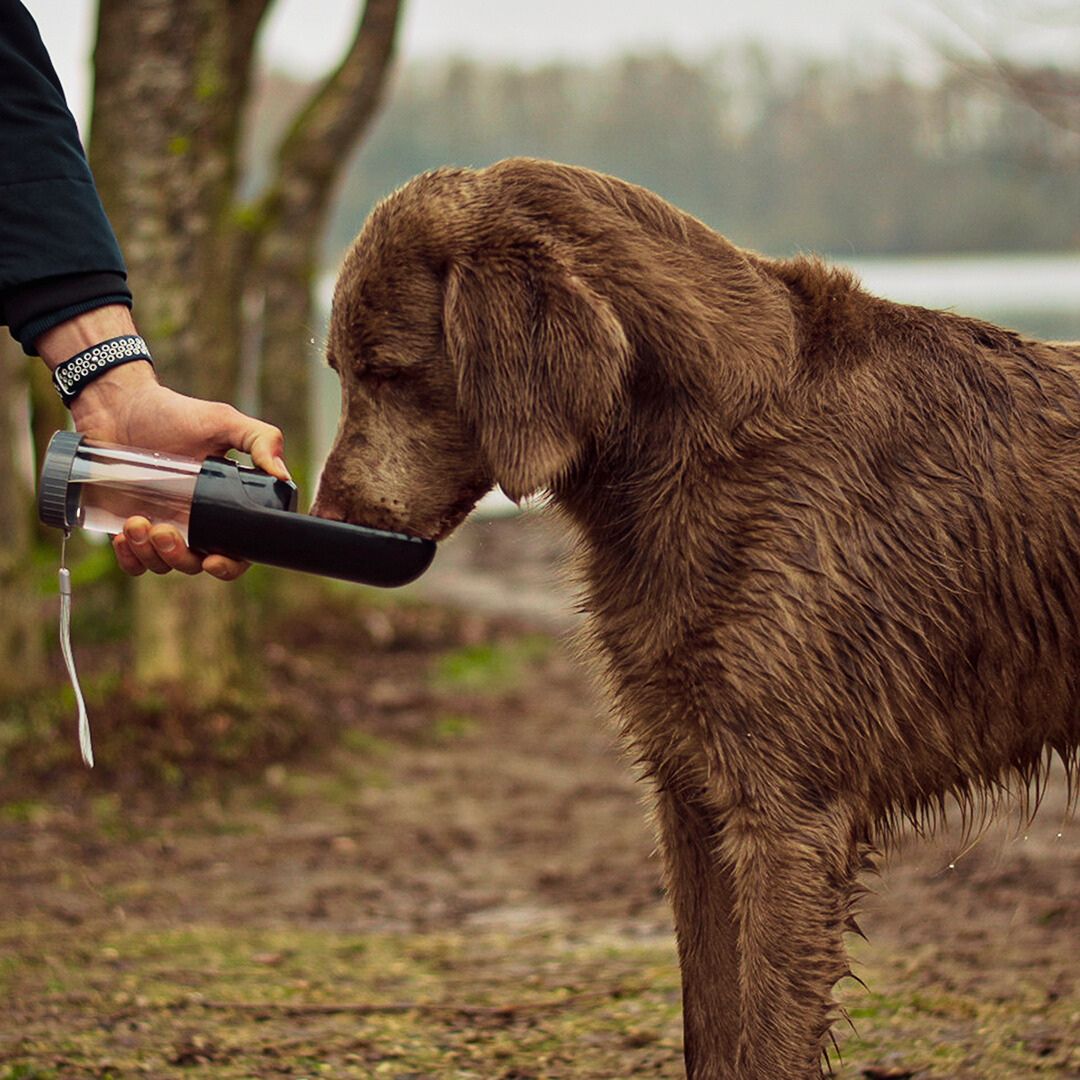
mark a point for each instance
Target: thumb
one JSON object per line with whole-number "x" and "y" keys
{"x": 264, "y": 442}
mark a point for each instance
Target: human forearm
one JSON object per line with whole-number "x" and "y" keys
{"x": 57, "y": 248}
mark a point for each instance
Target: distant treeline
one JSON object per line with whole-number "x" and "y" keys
{"x": 780, "y": 157}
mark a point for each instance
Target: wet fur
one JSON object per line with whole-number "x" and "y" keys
{"x": 828, "y": 543}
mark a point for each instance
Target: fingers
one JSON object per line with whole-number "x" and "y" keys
{"x": 128, "y": 560}
{"x": 158, "y": 548}
{"x": 224, "y": 568}
{"x": 161, "y": 548}
{"x": 169, "y": 548}
{"x": 139, "y": 552}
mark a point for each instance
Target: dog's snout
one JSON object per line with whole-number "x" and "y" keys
{"x": 323, "y": 508}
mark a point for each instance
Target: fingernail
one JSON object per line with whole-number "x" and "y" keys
{"x": 138, "y": 533}
{"x": 282, "y": 468}
{"x": 166, "y": 543}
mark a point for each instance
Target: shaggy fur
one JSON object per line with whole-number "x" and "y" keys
{"x": 828, "y": 542}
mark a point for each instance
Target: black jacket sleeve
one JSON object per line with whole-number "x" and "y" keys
{"x": 58, "y": 253}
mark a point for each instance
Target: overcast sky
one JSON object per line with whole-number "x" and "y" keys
{"x": 304, "y": 36}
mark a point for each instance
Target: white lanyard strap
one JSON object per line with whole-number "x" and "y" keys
{"x": 69, "y": 659}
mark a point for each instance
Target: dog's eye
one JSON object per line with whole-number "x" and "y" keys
{"x": 374, "y": 377}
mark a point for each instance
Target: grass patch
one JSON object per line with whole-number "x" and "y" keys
{"x": 363, "y": 742}
{"x": 144, "y": 740}
{"x": 489, "y": 667}
{"x": 248, "y": 1003}
{"x": 451, "y": 725}
{"x": 558, "y": 1004}
{"x": 957, "y": 1035}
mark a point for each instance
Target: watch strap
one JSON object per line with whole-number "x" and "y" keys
{"x": 74, "y": 375}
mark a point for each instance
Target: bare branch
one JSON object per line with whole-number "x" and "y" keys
{"x": 278, "y": 236}
{"x": 244, "y": 17}
{"x": 313, "y": 152}
{"x": 1052, "y": 92}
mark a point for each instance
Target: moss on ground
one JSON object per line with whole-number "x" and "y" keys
{"x": 903, "y": 1027}
{"x": 211, "y": 1001}
{"x": 232, "y": 1002}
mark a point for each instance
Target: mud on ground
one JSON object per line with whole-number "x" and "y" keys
{"x": 457, "y": 880}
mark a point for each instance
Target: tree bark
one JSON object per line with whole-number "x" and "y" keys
{"x": 170, "y": 81}
{"x": 22, "y": 652}
{"x": 291, "y": 215}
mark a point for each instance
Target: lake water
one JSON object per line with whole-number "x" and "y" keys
{"x": 1037, "y": 295}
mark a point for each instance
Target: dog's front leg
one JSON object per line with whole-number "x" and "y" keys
{"x": 703, "y": 900}
{"x": 760, "y": 908}
{"x": 794, "y": 873}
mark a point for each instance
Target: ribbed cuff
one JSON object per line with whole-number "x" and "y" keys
{"x": 29, "y": 333}
{"x": 36, "y": 306}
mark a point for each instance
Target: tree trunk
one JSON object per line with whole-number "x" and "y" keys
{"x": 171, "y": 76}
{"x": 293, "y": 213}
{"x": 22, "y": 652}
{"x": 171, "y": 83}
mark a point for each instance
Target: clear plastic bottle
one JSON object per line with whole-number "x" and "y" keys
{"x": 103, "y": 485}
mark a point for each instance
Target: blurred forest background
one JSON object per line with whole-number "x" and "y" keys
{"x": 235, "y": 189}
{"x": 846, "y": 158}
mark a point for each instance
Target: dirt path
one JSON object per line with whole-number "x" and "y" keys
{"x": 461, "y": 885}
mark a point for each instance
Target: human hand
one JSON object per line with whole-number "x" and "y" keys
{"x": 149, "y": 415}
{"x": 128, "y": 406}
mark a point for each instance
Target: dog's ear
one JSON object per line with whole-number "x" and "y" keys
{"x": 540, "y": 359}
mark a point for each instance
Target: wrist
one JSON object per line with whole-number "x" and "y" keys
{"x": 104, "y": 404}
{"x": 82, "y": 332}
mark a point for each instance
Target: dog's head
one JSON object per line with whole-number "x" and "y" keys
{"x": 470, "y": 352}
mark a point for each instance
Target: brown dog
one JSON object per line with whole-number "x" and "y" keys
{"x": 829, "y": 543}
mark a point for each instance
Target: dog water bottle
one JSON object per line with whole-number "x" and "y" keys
{"x": 219, "y": 508}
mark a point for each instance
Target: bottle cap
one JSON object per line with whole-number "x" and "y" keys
{"x": 57, "y": 503}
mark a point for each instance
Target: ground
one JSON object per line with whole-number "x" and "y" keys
{"x": 443, "y": 868}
